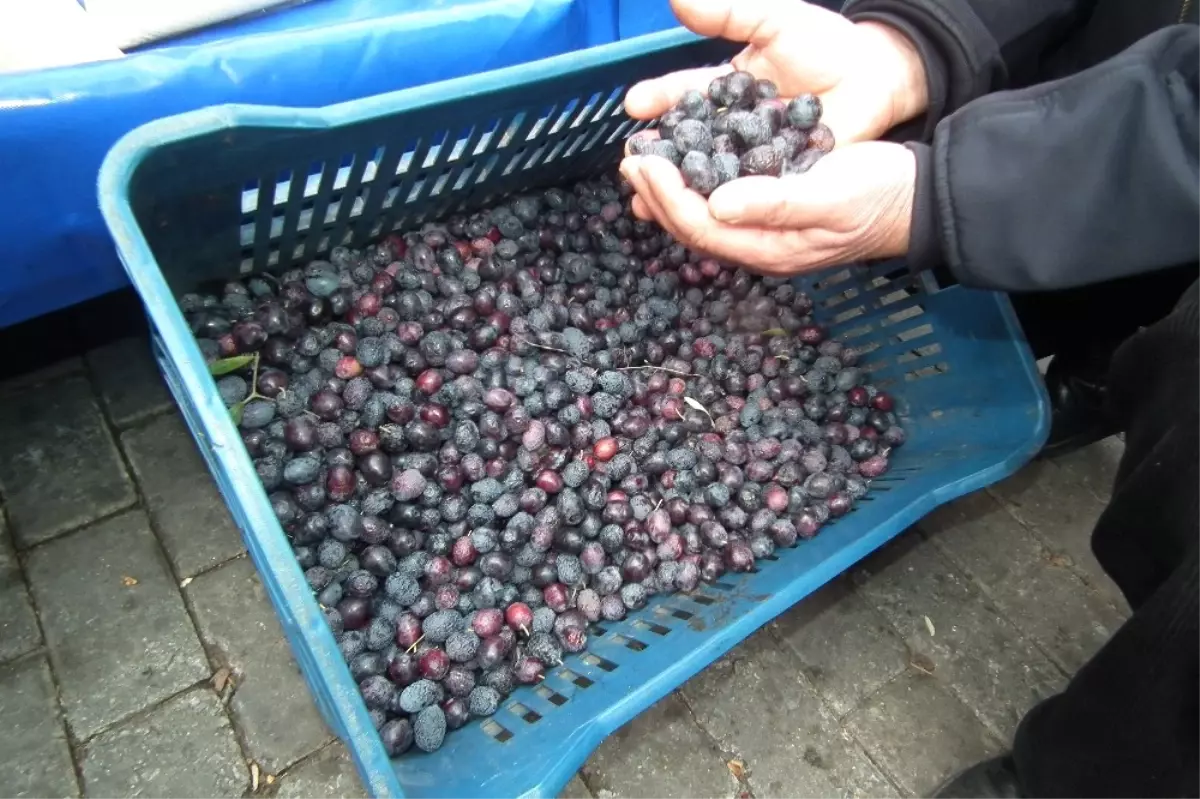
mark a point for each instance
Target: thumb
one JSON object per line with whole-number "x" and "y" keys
{"x": 788, "y": 202}
{"x": 864, "y": 191}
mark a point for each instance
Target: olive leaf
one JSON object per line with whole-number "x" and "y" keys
{"x": 224, "y": 366}
{"x": 235, "y": 411}
{"x": 696, "y": 404}
{"x": 775, "y": 331}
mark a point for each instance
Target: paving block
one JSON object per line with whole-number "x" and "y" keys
{"x": 955, "y": 632}
{"x": 36, "y": 757}
{"x": 1059, "y": 508}
{"x": 35, "y": 376}
{"x": 757, "y": 705}
{"x": 18, "y": 626}
{"x": 1024, "y": 578}
{"x": 575, "y": 789}
{"x": 184, "y": 747}
{"x": 59, "y": 467}
{"x": 920, "y": 734}
{"x": 129, "y": 382}
{"x": 1095, "y": 466}
{"x": 185, "y": 506}
{"x": 118, "y": 634}
{"x": 845, "y": 648}
{"x": 329, "y": 774}
{"x": 271, "y": 702}
{"x": 660, "y": 753}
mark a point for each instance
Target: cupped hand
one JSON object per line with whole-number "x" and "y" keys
{"x": 852, "y": 205}
{"x": 869, "y": 77}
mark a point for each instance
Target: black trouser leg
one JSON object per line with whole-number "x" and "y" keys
{"x": 1126, "y": 725}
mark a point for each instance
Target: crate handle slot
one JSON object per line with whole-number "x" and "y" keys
{"x": 496, "y": 730}
{"x": 528, "y": 715}
{"x": 551, "y": 696}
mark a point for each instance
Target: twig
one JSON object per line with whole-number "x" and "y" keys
{"x": 414, "y": 645}
{"x": 239, "y": 407}
{"x": 541, "y": 346}
{"x": 254, "y": 378}
{"x": 659, "y": 368}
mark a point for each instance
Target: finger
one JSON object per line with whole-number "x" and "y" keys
{"x": 641, "y": 210}
{"x": 633, "y": 169}
{"x": 653, "y": 98}
{"x": 816, "y": 199}
{"x": 678, "y": 208}
{"x": 767, "y": 202}
{"x": 641, "y": 135}
{"x": 747, "y": 21}
{"x": 686, "y": 215}
{"x": 755, "y": 22}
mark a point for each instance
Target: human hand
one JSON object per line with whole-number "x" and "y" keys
{"x": 869, "y": 76}
{"x": 854, "y": 204}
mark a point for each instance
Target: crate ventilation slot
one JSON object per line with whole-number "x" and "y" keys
{"x": 551, "y": 696}
{"x": 599, "y": 662}
{"x": 528, "y": 715}
{"x": 301, "y": 213}
{"x": 632, "y": 644}
{"x": 657, "y": 629}
{"x": 496, "y": 730}
{"x": 578, "y": 679}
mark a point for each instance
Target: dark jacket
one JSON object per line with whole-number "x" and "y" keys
{"x": 1065, "y": 137}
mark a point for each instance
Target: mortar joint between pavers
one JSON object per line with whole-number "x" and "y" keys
{"x": 78, "y": 528}
{"x": 727, "y": 755}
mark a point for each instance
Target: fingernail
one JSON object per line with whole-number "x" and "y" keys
{"x": 630, "y": 167}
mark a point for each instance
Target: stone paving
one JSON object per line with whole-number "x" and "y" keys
{"x": 140, "y": 657}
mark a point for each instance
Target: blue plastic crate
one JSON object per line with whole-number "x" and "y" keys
{"x": 234, "y": 189}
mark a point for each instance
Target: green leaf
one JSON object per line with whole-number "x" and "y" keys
{"x": 775, "y": 331}
{"x": 226, "y": 365}
{"x": 235, "y": 412}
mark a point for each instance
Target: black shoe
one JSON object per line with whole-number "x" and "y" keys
{"x": 991, "y": 778}
{"x": 1078, "y": 390}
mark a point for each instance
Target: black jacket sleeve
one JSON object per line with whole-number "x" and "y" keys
{"x": 973, "y": 47}
{"x": 1075, "y": 181}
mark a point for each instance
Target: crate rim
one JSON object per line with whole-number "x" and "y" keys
{"x": 126, "y": 156}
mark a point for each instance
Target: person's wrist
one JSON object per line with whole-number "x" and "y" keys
{"x": 899, "y": 66}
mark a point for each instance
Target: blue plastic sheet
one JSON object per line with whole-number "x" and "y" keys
{"x": 56, "y": 126}
{"x": 311, "y": 14}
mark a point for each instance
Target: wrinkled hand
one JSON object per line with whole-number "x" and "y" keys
{"x": 869, "y": 77}
{"x": 854, "y": 204}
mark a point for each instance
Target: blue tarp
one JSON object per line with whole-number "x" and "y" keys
{"x": 57, "y": 125}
